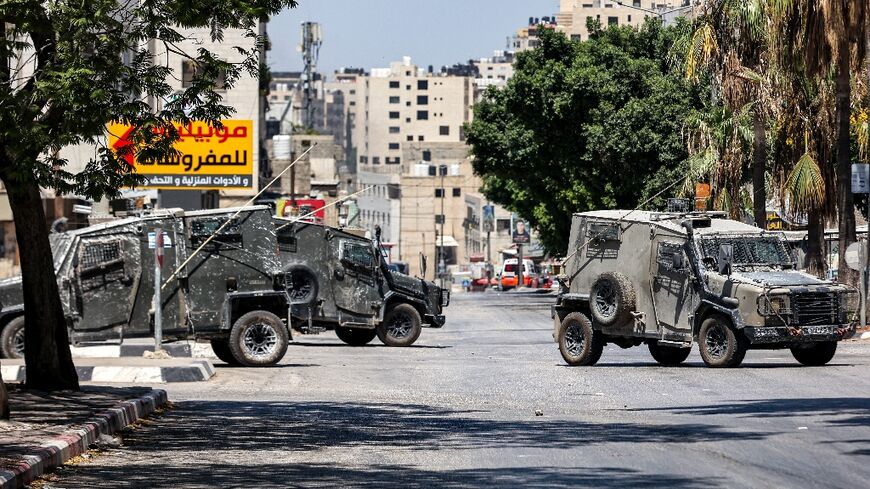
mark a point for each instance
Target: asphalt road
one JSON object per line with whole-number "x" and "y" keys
{"x": 459, "y": 409}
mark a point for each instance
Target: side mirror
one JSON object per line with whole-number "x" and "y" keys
{"x": 679, "y": 261}
{"x": 726, "y": 258}
{"x": 423, "y": 265}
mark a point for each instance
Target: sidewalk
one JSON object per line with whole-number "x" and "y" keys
{"x": 127, "y": 370}
{"x": 47, "y": 429}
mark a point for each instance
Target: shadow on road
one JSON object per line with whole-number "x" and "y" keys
{"x": 264, "y": 432}
{"x": 380, "y": 476}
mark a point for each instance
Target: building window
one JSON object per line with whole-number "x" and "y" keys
{"x": 629, "y": 18}
{"x": 394, "y": 100}
{"x": 433, "y": 170}
{"x": 444, "y": 130}
{"x": 363, "y": 159}
{"x": 422, "y": 115}
{"x": 394, "y": 84}
{"x": 427, "y": 155}
{"x": 422, "y": 84}
{"x": 439, "y": 193}
{"x": 439, "y": 219}
{"x": 407, "y": 87}
{"x": 376, "y": 160}
{"x": 457, "y": 192}
{"x": 422, "y": 100}
{"x": 408, "y": 103}
{"x": 353, "y": 92}
{"x": 419, "y": 138}
{"x": 394, "y": 115}
{"x": 410, "y": 137}
{"x": 613, "y": 21}
{"x": 394, "y": 145}
{"x": 394, "y": 129}
{"x": 394, "y": 161}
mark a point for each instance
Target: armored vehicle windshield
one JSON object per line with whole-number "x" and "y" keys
{"x": 749, "y": 251}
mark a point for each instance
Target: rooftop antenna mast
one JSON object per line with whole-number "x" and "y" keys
{"x": 312, "y": 39}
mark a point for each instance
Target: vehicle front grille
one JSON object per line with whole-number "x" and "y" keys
{"x": 815, "y": 308}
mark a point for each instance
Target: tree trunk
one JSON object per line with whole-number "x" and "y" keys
{"x": 815, "y": 244}
{"x": 845, "y": 199}
{"x": 759, "y": 165}
{"x": 4, "y": 400}
{"x": 46, "y": 351}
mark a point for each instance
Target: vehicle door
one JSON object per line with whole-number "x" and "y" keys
{"x": 107, "y": 274}
{"x": 355, "y": 278}
{"x": 672, "y": 291}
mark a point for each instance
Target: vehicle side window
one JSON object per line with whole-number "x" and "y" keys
{"x": 230, "y": 236}
{"x": 100, "y": 263}
{"x": 358, "y": 255}
{"x": 666, "y": 252}
{"x": 287, "y": 240}
{"x": 602, "y": 231}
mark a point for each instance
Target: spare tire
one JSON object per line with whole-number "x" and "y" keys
{"x": 612, "y": 299}
{"x": 301, "y": 285}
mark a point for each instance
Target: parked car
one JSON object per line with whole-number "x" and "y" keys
{"x": 231, "y": 292}
{"x": 336, "y": 279}
{"x": 509, "y": 279}
{"x": 671, "y": 279}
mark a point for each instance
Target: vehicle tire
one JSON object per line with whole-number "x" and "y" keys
{"x": 720, "y": 344}
{"x": 258, "y": 339}
{"x": 669, "y": 356}
{"x": 12, "y": 339}
{"x": 579, "y": 344}
{"x": 612, "y": 299}
{"x": 302, "y": 286}
{"x": 355, "y": 336}
{"x": 401, "y": 326}
{"x": 221, "y": 348}
{"x": 815, "y": 354}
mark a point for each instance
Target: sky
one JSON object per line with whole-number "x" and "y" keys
{"x": 372, "y": 33}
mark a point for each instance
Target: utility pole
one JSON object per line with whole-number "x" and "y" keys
{"x": 158, "y": 280}
{"x": 312, "y": 39}
{"x": 442, "y": 266}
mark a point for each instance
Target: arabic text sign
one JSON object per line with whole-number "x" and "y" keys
{"x": 208, "y": 157}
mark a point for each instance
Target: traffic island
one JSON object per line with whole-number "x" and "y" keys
{"x": 127, "y": 370}
{"x": 48, "y": 429}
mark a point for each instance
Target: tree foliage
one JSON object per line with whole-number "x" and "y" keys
{"x": 585, "y": 125}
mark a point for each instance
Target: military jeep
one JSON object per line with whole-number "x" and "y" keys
{"x": 668, "y": 279}
{"x": 337, "y": 279}
{"x": 231, "y": 293}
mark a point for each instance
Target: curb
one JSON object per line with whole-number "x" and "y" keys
{"x": 199, "y": 370}
{"x": 75, "y": 442}
{"x": 182, "y": 350}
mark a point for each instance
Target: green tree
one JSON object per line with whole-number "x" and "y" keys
{"x": 584, "y": 125}
{"x": 73, "y": 67}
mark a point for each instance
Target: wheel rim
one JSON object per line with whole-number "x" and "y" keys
{"x": 574, "y": 340}
{"x": 716, "y": 341}
{"x": 605, "y": 300}
{"x": 260, "y": 340}
{"x": 18, "y": 342}
{"x": 400, "y": 326}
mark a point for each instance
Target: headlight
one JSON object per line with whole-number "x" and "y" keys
{"x": 774, "y": 305}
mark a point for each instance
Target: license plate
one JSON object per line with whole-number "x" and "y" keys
{"x": 818, "y": 330}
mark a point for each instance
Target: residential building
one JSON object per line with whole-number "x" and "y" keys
{"x": 574, "y": 14}
{"x": 396, "y": 108}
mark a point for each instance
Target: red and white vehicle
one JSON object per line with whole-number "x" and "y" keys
{"x": 509, "y": 279}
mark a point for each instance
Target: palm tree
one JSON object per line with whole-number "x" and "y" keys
{"x": 729, "y": 43}
{"x": 834, "y": 44}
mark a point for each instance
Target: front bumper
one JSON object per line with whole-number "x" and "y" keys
{"x": 436, "y": 321}
{"x": 798, "y": 334}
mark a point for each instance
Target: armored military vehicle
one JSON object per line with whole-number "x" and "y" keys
{"x": 666, "y": 279}
{"x": 338, "y": 279}
{"x": 232, "y": 292}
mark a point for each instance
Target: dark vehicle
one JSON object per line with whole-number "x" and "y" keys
{"x": 232, "y": 292}
{"x": 668, "y": 279}
{"x": 338, "y": 280}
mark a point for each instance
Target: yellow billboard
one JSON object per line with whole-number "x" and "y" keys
{"x": 208, "y": 158}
